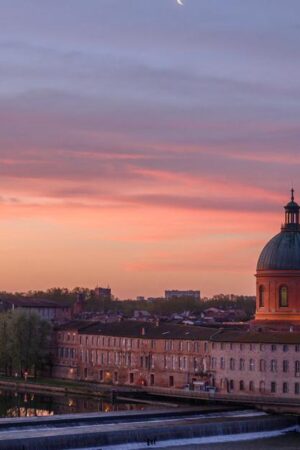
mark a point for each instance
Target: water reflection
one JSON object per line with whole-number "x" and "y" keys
{"x": 28, "y": 404}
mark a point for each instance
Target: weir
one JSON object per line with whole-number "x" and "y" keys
{"x": 108, "y": 434}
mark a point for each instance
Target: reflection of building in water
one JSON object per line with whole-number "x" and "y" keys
{"x": 23, "y": 411}
{"x": 82, "y": 404}
{"x": 31, "y": 412}
{"x": 17, "y": 404}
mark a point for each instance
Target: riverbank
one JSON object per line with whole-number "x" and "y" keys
{"x": 65, "y": 387}
{"x": 55, "y": 387}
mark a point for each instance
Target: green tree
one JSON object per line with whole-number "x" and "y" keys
{"x": 24, "y": 341}
{"x": 5, "y": 357}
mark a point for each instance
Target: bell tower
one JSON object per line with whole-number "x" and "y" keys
{"x": 291, "y": 215}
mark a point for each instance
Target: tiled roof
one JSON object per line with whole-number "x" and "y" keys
{"x": 257, "y": 337}
{"x": 143, "y": 330}
{"x": 132, "y": 329}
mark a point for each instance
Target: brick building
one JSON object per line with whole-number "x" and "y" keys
{"x": 262, "y": 359}
{"x": 130, "y": 352}
{"x": 256, "y": 363}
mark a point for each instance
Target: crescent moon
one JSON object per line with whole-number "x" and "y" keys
{"x": 179, "y": 2}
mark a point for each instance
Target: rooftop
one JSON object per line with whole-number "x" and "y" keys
{"x": 143, "y": 330}
{"x": 146, "y": 330}
{"x": 34, "y": 302}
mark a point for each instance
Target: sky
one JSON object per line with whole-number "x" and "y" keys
{"x": 144, "y": 145}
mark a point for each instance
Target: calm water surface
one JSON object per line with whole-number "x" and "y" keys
{"x": 17, "y": 404}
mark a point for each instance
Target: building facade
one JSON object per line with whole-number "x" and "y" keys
{"x": 134, "y": 353}
{"x": 256, "y": 364}
{"x": 53, "y": 311}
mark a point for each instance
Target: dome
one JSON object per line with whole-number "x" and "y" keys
{"x": 282, "y": 252}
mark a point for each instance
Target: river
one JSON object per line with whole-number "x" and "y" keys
{"x": 28, "y": 404}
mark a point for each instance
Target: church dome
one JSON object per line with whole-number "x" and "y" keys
{"x": 278, "y": 273}
{"x": 282, "y": 252}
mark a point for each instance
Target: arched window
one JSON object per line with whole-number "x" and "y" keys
{"x": 273, "y": 365}
{"x": 262, "y": 387}
{"x": 283, "y": 297}
{"x": 262, "y": 365}
{"x": 261, "y": 296}
{"x": 232, "y": 364}
{"x": 285, "y": 388}
{"x": 242, "y": 386}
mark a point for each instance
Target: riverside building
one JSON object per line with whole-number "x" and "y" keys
{"x": 262, "y": 359}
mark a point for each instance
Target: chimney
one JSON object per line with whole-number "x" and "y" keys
{"x": 143, "y": 331}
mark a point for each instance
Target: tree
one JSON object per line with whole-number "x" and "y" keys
{"x": 5, "y": 357}
{"x": 24, "y": 342}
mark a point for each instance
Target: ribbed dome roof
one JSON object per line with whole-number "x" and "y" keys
{"x": 282, "y": 252}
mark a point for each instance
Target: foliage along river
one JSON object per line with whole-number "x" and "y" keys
{"x": 20, "y": 404}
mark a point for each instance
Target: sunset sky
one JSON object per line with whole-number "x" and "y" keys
{"x": 145, "y": 145}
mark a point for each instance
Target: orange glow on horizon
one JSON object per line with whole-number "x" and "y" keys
{"x": 136, "y": 247}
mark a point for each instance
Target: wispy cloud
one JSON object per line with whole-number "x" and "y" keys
{"x": 150, "y": 140}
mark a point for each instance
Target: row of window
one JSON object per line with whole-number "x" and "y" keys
{"x": 173, "y": 345}
{"x": 130, "y": 343}
{"x": 273, "y": 387}
{"x": 114, "y": 376}
{"x": 106, "y": 358}
{"x": 97, "y": 357}
{"x": 282, "y": 296}
{"x": 181, "y": 346}
{"x": 107, "y": 376}
{"x": 174, "y": 362}
{"x": 254, "y": 347}
{"x": 241, "y": 365}
{"x": 65, "y": 353}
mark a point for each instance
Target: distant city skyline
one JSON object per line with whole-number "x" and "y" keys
{"x": 145, "y": 145}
